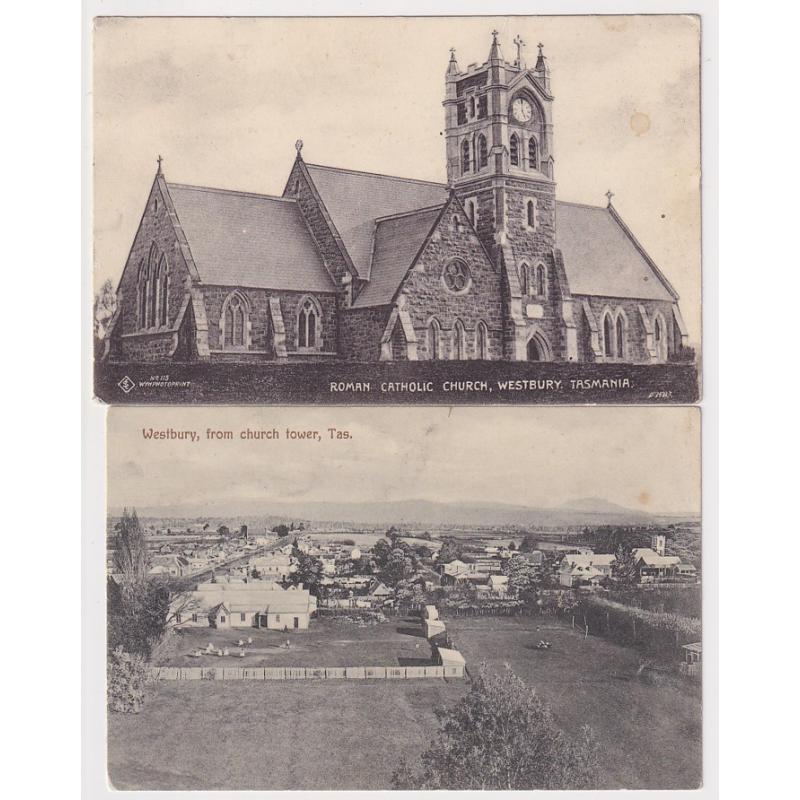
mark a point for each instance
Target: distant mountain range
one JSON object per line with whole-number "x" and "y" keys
{"x": 584, "y": 511}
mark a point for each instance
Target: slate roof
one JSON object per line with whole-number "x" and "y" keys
{"x": 397, "y": 241}
{"x": 600, "y": 257}
{"x": 249, "y": 240}
{"x": 356, "y": 199}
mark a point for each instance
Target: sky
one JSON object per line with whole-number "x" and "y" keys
{"x": 224, "y": 100}
{"x": 646, "y": 459}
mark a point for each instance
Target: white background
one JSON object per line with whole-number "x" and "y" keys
{"x": 47, "y": 310}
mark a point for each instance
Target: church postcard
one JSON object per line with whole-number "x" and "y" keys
{"x": 397, "y": 210}
{"x": 351, "y": 598}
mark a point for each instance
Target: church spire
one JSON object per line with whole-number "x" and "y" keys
{"x": 494, "y": 52}
{"x": 452, "y": 66}
{"x": 542, "y": 69}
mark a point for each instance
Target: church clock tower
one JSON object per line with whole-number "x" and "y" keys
{"x": 499, "y": 135}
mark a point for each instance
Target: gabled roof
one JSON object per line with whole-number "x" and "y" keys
{"x": 653, "y": 559}
{"x": 601, "y": 257}
{"x": 397, "y": 242}
{"x": 590, "y": 559}
{"x": 249, "y": 240}
{"x": 356, "y": 199}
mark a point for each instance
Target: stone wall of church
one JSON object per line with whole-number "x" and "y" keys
{"x": 261, "y": 335}
{"x": 428, "y": 298}
{"x": 297, "y": 187}
{"x": 147, "y": 347}
{"x": 156, "y": 228}
{"x": 532, "y": 246}
{"x": 635, "y": 339}
{"x": 361, "y": 330}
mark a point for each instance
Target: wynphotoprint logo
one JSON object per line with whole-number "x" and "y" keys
{"x": 127, "y": 385}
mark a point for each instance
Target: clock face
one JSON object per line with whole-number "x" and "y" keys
{"x": 521, "y": 109}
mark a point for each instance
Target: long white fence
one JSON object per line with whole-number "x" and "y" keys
{"x": 303, "y": 673}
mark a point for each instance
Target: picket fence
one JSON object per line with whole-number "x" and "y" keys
{"x": 303, "y": 673}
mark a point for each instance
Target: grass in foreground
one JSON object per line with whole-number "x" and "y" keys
{"x": 274, "y": 735}
{"x": 650, "y": 732}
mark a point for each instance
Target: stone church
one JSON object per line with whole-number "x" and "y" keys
{"x": 354, "y": 266}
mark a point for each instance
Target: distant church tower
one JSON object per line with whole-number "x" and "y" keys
{"x": 658, "y": 542}
{"x": 499, "y": 134}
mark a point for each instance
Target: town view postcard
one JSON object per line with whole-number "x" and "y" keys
{"x": 404, "y": 598}
{"x": 397, "y": 210}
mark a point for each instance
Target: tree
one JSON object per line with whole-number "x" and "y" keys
{"x": 105, "y": 304}
{"x": 624, "y": 568}
{"x": 399, "y": 565}
{"x": 512, "y": 546}
{"x": 501, "y": 735}
{"x": 130, "y": 553}
{"x": 528, "y": 544}
{"x": 450, "y": 551}
{"x": 138, "y": 605}
{"x": 224, "y": 531}
{"x": 281, "y": 530}
{"x": 309, "y": 571}
{"x": 523, "y": 578}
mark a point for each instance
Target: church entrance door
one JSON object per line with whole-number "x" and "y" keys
{"x": 534, "y": 351}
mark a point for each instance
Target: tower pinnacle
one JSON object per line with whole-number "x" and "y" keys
{"x": 494, "y": 52}
{"x": 452, "y": 66}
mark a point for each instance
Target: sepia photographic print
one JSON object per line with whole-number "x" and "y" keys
{"x": 373, "y": 598}
{"x": 397, "y": 210}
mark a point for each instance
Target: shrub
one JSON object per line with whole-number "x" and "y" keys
{"x": 127, "y": 677}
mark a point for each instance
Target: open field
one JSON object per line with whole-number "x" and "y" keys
{"x": 327, "y": 643}
{"x": 649, "y": 729}
{"x": 274, "y": 735}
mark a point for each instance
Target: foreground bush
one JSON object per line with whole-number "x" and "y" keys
{"x": 501, "y": 735}
{"x": 127, "y": 678}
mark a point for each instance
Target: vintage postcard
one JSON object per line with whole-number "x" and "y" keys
{"x": 397, "y": 210}
{"x": 372, "y": 598}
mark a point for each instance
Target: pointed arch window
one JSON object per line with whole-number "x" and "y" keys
{"x": 531, "y": 213}
{"x": 141, "y": 297}
{"x": 540, "y": 280}
{"x": 608, "y": 336}
{"x": 482, "y": 341}
{"x": 533, "y": 159}
{"x": 152, "y": 287}
{"x": 514, "y": 150}
{"x": 526, "y": 284}
{"x": 471, "y": 208}
{"x": 459, "y": 341}
{"x": 465, "y": 159}
{"x": 483, "y": 152}
{"x": 309, "y": 324}
{"x": 620, "y": 336}
{"x": 434, "y": 340}
{"x": 235, "y": 318}
{"x": 660, "y": 337}
{"x": 163, "y": 291}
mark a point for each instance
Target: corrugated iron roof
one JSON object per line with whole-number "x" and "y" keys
{"x": 249, "y": 240}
